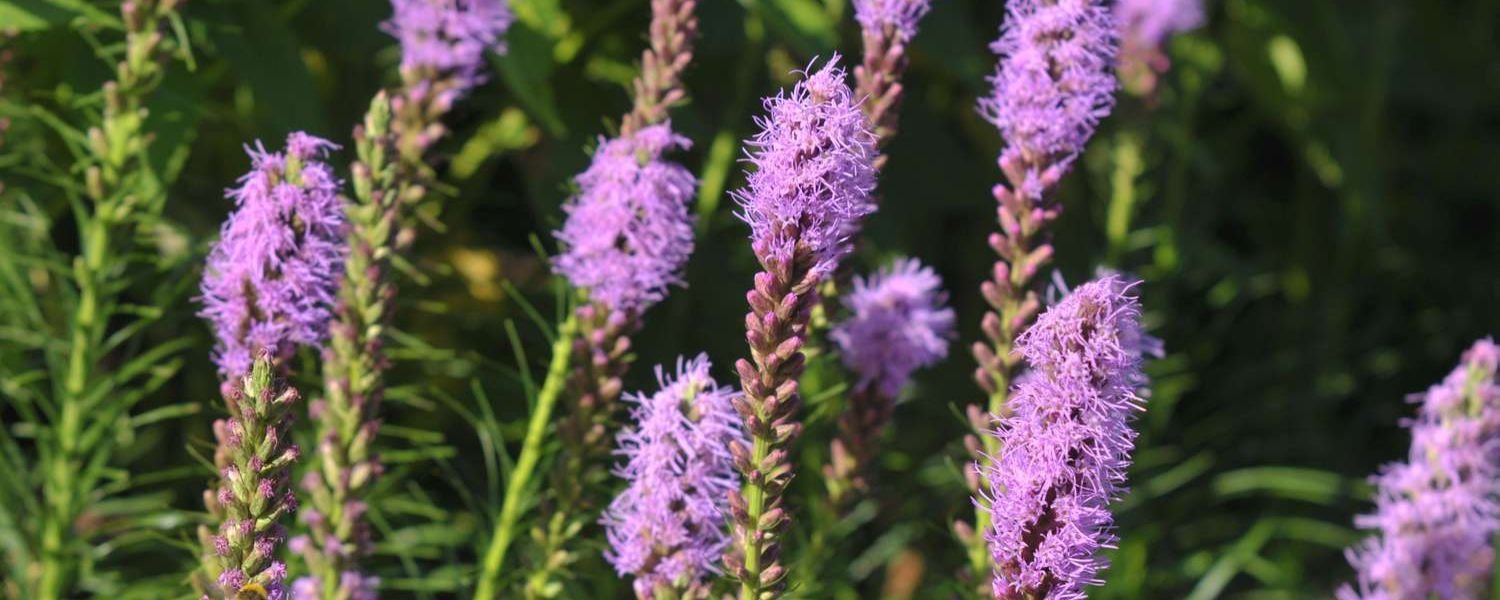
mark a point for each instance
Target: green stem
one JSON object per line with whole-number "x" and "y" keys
{"x": 755, "y": 504}
{"x": 531, "y": 450}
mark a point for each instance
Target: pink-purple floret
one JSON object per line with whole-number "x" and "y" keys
{"x": 629, "y": 230}
{"x": 1066, "y": 444}
{"x": 813, "y": 172}
{"x": 669, "y": 524}
{"x": 898, "y": 322}
{"x": 1435, "y": 514}
{"x": 272, "y": 277}
{"x": 1055, "y": 80}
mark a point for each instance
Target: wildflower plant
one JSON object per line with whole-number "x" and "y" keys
{"x": 268, "y": 288}
{"x": 1053, "y": 84}
{"x": 90, "y": 353}
{"x": 814, "y": 173}
{"x": 886, "y": 28}
{"x": 626, "y": 239}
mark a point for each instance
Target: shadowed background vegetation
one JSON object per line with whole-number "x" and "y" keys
{"x": 1310, "y": 198}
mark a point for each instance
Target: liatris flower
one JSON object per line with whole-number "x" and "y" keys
{"x": 1054, "y": 81}
{"x": 254, "y": 457}
{"x": 810, "y": 189}
{"x": 898, "y": 322}
{"x": 1145, "y": 25}
{"x": 1066, "y": 444}
{"x": 1436, "y": 513}
{"x": 1053, "y": 84}
{"x": 667, "y": 527}
{"x": 443, "y": 42}
{"x": 271, "y": 278}
{"x": 886, "y": 27}
{"x": 629, "y": 231}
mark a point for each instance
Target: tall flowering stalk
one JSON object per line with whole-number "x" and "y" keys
{"x": 1436, "y": 514}
{"x": 886, "y": 27}
{"x": 268, "y": 288}
{"x": 811, "y": 186}
{"x": 1053, "y": 84}
{"x": 1145, "y": 26}
{"x": 82, "y": 335}
{"x": 626, "y": 239}
{"x": 899, "y": 321}
{"x": 667, "y": 527}
{"x": 443, "y": 45}
{"x": 1065, "y": 444}
{"x": 627, "y": 236}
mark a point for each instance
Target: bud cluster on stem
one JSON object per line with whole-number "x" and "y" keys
{"x": 254, "y": 458}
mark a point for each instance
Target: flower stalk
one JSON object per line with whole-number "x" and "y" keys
{"x": 1053, "y": 83}
{"x": 631, "y": 192}
{"x": 121, "y": 187}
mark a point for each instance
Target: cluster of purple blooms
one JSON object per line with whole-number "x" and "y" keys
{"x": 271, "y": 278}
{"x": 1055, "y": 79}
{"x": 667, "y": 528}
{"x": 446, "y": 40}
{"x": 629, "y": 231}
{"x": 898, "y": 322}
{"x": 813, "y": 176}
{"x": 1065, "y": 437}
{"x": 1437, "y": 513}
{"x": 1066, "y": 444}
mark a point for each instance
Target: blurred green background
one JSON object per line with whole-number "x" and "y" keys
{"x": 1310, "y": 198}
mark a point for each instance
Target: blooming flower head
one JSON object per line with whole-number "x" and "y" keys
{"x": 899, "y": 321}
{"x": 1066, "y": 444}
{"x": 901, "y": 15}
{"x": 629, "y": 231}
{"x": 1055, "y": 79}
{"x": 813, "y": 172}
{"x": 272, "y": 277}
{"x": 1436, "y": 513}
{"x": 667, "y": 528}
{"x": 448, "y": 38}
{"x": 1148, "y": 22}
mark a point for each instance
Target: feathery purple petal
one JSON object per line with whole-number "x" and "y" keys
{"x": 629, "y": 231}
{"x": 899, "y": 321}
{"x": 1436, "y": 513}
{"x": 272, "y": 277}
{"x": 668, "y": 525}
{"x": 448, "y": 38}
{"x": 1067, "y": 444}
{"x": 1055, "y": 79}
{"x": 813, "y": 172}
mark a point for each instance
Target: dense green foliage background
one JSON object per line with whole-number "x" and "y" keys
{"x": 1312, "y": 202}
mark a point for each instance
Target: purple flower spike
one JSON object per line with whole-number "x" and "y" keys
{"x": 899, "y": 322}
{"x": 900, "y": 15}
{"x": 667, "y": 528}
{"x": 272, "y": 277}
{"x": 444, "y": 39}
{"x": 629, "y": 231}
{"x": 1435, "y": 513}
{"x": 1066, "y": 445}
{"x": 813, "y": 172}
{"x": 1055, "y": 79}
